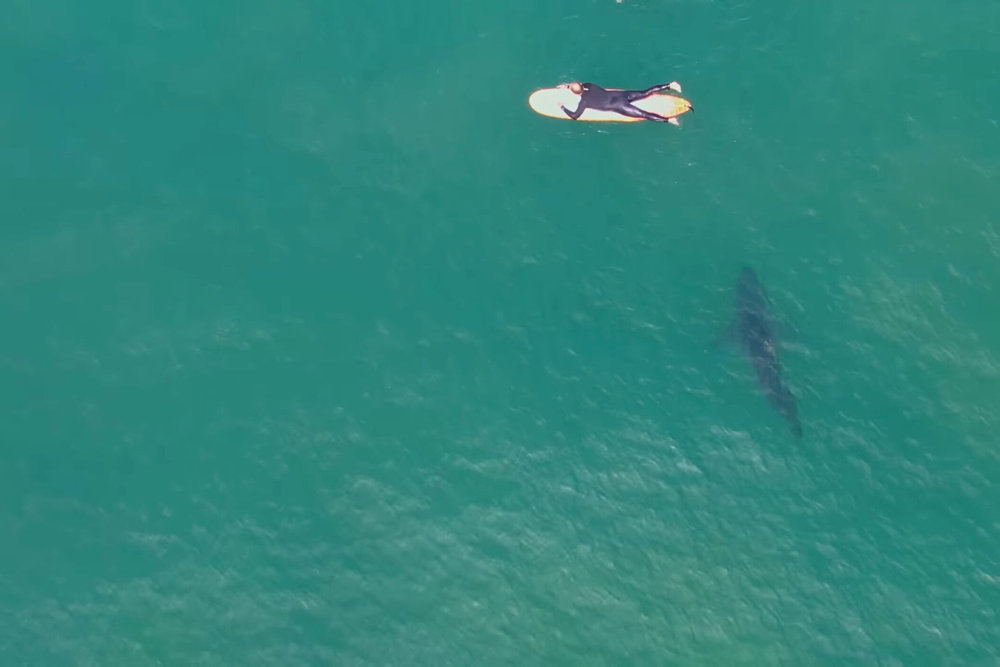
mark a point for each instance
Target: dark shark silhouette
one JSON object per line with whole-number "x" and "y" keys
{"x": 753, "y": 330}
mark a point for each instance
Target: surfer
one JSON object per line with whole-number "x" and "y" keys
{"x": 594, "y": 97}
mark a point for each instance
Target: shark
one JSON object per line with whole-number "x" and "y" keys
{"x": 753, "y": 330}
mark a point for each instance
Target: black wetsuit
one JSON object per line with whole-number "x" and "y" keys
{"x": 619, "y": 101}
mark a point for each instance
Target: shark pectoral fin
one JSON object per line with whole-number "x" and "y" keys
{"x": 724, "y": 336}
{"x": 787, "y": 331}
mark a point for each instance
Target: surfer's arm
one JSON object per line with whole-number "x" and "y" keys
{"x": 574, "y": 114}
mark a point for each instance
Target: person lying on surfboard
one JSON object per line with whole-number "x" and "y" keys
{"x": 594, "y": 97}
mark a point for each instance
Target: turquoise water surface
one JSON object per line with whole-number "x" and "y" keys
{"x": 320, "y": 348}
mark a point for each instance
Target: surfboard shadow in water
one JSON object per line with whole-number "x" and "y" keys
{"x": 753, "y": 330}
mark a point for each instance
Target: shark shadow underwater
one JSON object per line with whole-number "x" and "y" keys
{"x": 753, "y": 330}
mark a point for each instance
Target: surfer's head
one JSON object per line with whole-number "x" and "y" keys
{"x": 576, "y": 88}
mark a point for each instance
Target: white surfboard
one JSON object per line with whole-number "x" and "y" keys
{"x": 546, "y": 102}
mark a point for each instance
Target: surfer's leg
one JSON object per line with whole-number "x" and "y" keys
{"x": 635, "y": 112}
{"x": 633, "y": 95}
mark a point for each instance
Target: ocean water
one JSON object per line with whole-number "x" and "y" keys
{"x": 321, "y": 348}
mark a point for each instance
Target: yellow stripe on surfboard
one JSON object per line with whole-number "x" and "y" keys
{"x": 546, "y": 101}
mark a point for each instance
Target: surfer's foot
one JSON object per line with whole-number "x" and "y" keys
{"x": 674, "y": 86}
